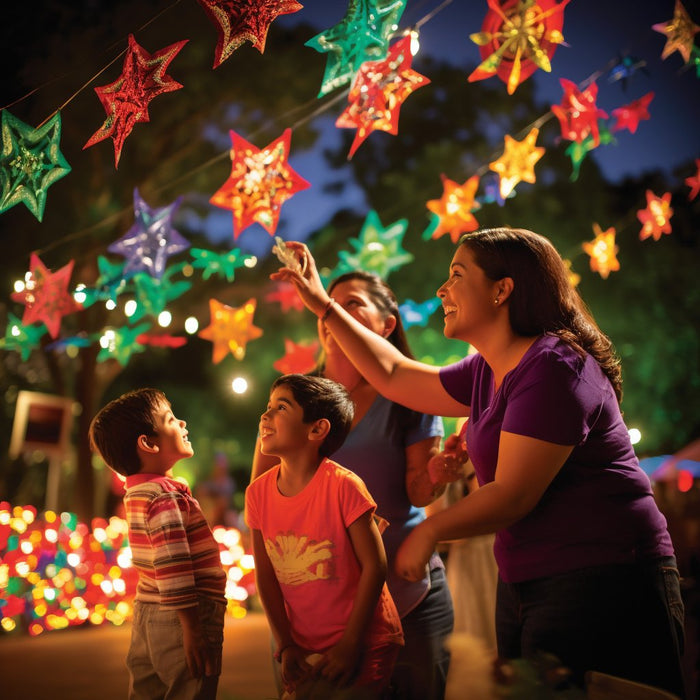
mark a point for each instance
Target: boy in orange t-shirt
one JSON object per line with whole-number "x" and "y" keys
{"x": 319, "y": 559}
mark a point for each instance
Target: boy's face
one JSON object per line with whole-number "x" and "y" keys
{"x": 282, "y": 427}
{"x": 171, "y": 438}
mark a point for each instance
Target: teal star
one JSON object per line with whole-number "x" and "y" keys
{"x": 222, "y": 264}
{"x": 30, "y": 162}
{"x": 110, "y": 283}
{"x": 120, "y": 344}
{"x": 377, "y": 249}
{"x": 153, "y": 295}
{"x": 418, "y": 314}
{"x": 21, "y": 338}
{"x": 362, "y": 35}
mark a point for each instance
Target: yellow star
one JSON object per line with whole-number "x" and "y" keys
{"x": 517, "y": 162}
{"x": 602, "y": 250}
{"x": 230, "y": 329}
{"x": 679, "y": 33}
{"x": 454, "y": 209}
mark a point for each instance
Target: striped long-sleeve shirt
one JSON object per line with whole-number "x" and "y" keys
{"x": 172, "y": 547}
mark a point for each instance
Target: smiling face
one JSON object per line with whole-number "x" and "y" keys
{"x": 468, "y": 297}
{"x": 354, "y": 297}
{"x": 170, "y": 438}
{"x": 282, "y": 428}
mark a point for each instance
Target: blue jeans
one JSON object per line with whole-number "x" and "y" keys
{"x": 624, "y": 620}
{"x": 421, "y": 669}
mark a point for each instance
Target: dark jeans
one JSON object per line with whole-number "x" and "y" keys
{"x": 624, "y": 620}
{"x": 421, "y": 669}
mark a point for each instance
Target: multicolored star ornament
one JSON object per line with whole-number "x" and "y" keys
{"x": 517, "y": 164}
{"x": 261, "y": 181}
{"x": 578, "y": 113}
{"x": 230, "y": 329}
{"x": 221, "y": 264}
{"x": 629, "y": 116}
{"x": 286, "y": 294}
{"x": 149, "y": 243}
{"x": 418, "y": 314}
{"x": 656, "y": 218}
{"x": 126, "y": 100}
{"x": 694, "y": 182}
{"x": 120, "y": 344}
{"x": 377, "y": 93}
{"x": 680, "y": 32}
{"x": 30, "y": 162}
{"x": 21, "y": 338}
{"x": 298, "y": 358}
{"x": 602, "y": 251}
{"x": 377, "y": 249}
{"x": 46, "y": 296}
{"x": 518, "y": 37}
{"x": 453, "y": 211}
{"x": 238, "y": 21}
{"x": 362, "y": 35}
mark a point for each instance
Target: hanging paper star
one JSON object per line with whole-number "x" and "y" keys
{"x": 574, "y": 278}
{"x": 46, "y": 296}
{"x": 153, "y": 295}
{"x": 286, "y": 294}
{"x": 679, "y": 32}
{"x": 578, "y": 151}
{"x": 125, "y": 101}
{"x": 578, "y": 113}
{"x": 377, "y": 249}
{"x": 629, "y": 116}
{"x": 517, "y": 162}
{"x": 454, "y": 209}
{"x": 656, "y": 217}
{"x": 260, "y": 182}
{"x": 110, "y": 283}
{"x": 378, "y": 91}
{"x": 30, "y": 162}
{"x": 518, "y": 37}
{"x": 625, "y": 68}
{"x": 602, "y": 251}
{"x": 121, "y": 344}
{"x": 221, "y": 264}
{"x": 21, "y": 338}
{"x": 238, "y": 21}
{"x": 694, "y": 182}
{"x": 149, "y": 243}
{"x": 230, "y": 329}
{"x": 418, "y": 314}
{"x": 162, "y": 341}
{"x": 298, "y": 358}
{"x": 362, "y": 35}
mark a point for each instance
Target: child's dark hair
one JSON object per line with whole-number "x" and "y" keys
{"x": 115, "y": 430}
{"x": 322, "y": 398}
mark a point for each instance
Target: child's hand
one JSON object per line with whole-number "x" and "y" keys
{"x": 339, "y": 664}
{"x": 295, "y": 667}
{"x": 448, "y": 465}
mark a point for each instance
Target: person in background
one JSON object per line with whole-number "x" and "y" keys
{"x": 320, "y": 566}
{"x": 587, "y": 570}
{"x": 178, "y": 627}
{"x": 389, "y": 448}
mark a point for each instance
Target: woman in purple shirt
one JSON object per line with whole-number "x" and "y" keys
{"x": 586, "y": 565}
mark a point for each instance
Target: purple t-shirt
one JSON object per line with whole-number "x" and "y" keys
{"x": 599, "y": 509}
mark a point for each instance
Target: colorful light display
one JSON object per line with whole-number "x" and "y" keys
{"x": 56, "y": 572}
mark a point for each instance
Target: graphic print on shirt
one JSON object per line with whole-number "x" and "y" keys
{"x": 299, "y": 559}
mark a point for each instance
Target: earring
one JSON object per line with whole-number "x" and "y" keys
{"x": 495, "y": 301}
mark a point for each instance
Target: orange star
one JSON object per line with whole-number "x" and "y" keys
{"x": 260, "y": 182}
{"x": 230, "y": 329}
{"x": 679, "y": 33}
{"x": 694, "y": 182}
{"x": 602, "y": 250}
{"x": 517, "y": 162}
{"x": 454, "y": 209}
{"x": 297, "y": 358}
{"x": 656, "y": 217}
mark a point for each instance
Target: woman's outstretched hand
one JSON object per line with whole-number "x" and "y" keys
{"x": 306, "y": 279}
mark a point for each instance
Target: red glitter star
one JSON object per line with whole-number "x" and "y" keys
{"x": 578, "y": 114}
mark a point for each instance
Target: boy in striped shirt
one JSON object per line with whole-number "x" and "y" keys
{"x": 177, "y": 632}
